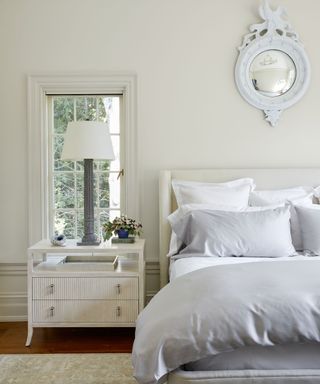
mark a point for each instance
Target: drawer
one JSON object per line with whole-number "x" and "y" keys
{"x": 84, "y": 311}
{"x": 104, "y": 288}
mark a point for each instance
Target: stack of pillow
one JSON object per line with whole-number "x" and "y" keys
{"x": 234, "y": 219}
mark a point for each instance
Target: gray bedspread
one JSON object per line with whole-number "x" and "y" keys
{"x": 222, "y": 308}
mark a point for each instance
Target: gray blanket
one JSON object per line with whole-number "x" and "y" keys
{"x": 222, "y": 308}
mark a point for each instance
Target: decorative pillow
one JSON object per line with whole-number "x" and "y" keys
{"x": 263, "y": 233}
{"x": 309, "y": 220}
{"x": 293, "y": 196}
{"x": 234, "y": 193}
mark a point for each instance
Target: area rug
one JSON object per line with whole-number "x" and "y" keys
{"x": 88, "y": 368}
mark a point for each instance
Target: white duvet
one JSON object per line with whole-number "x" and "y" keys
{"x": 222, "y": 308}
{"x": 185, "y": 265}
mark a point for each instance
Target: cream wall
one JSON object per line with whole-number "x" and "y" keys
{"x": 189, "y": 111}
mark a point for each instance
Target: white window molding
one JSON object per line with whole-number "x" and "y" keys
{"x": 40, "y": 85}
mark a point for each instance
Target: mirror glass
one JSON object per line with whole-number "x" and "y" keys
{"x": 272, "y": 73}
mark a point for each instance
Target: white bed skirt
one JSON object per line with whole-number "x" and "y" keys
{"x": 304, "y": 376}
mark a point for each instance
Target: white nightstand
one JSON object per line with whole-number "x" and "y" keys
{"x": 87, "y": 295}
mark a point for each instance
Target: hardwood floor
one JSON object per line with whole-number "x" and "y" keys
{"x": 65, "y": 340}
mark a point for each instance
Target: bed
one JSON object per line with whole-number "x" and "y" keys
{"x": 308, "y": 372}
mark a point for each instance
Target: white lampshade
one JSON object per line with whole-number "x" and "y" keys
{"x": 87, "y": 140}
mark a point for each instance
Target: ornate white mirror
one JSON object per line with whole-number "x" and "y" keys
{"x": 272, "y": 71}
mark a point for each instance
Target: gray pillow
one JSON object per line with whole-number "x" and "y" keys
{"x": 309, "y": 222}
{"x": 219, "y": 233}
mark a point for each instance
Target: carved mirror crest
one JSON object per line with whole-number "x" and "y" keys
{"x": 272, "y": 71}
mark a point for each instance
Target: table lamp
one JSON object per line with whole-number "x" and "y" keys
{"x": 88, "y": 141}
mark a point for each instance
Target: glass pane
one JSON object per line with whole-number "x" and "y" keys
{"x": 64, "y": 193}
{"x": 104, "y": 190}
{"x": 79, "y": 166}
{"x": 60, "y": 165}
{"x": 113, "y": 213}
{"x": 105, "y": 165}
{"x": 102, "y": 116}
{"x": 86, "y": 108}
{"x": 112, "y": 108}
{"x": 80, "y": 222}
{"x": 115, "y": 164}
{"x": 63, "y": 112}
{"x": 64, "y": 222}
{"x": 114, "y": 191}
{"x": 79, "y": 186}
{"x": 97, "y": 231}
{"x": 104, "y": 217}
{"x": 101, "y": 165}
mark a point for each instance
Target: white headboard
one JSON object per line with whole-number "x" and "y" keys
{"x": 264, "y": 178}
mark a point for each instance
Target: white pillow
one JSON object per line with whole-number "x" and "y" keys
{"x": 232, "y": 183}
{"x": 309, "y": 220}
{"x": 263, "y": 233}
{"x": 234, "y": 193}
{"x": 261, "y": 198}
{"x": 293, "y": 196}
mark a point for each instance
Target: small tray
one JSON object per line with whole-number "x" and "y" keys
{"x": 82, "y": 262}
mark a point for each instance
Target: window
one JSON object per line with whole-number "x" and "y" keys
{"x": 66, "y": 183}
{"x": 77, "y": 91}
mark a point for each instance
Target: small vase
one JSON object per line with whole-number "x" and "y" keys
{"x": 123, "y": 234}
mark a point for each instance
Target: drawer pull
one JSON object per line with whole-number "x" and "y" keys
{"x": 51, "y": 311}
{"x": 118, "y": 311}
{"x": 51, "y": 286}
{"x": 118, "y": 289}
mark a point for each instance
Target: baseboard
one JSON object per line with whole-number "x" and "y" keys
{"x": 152, "y": 267}
{"x": 13, "y": 306}
{"x": 15, "y": 319}
{"x": 13, "y": 300}
{"x": 13, "y": 269}
{"x": 152, "y": 279}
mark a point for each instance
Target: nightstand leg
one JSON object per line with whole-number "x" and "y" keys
{"x": 29, "y": 338}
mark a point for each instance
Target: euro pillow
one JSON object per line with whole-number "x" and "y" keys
{"x": 266, "y": 197}
{"x": 309, "y": 220}
{"x": 263, "y": 233}
{"x": 234, "y": 193}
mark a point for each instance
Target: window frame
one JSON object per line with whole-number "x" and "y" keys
{"x": 39, "y": 87}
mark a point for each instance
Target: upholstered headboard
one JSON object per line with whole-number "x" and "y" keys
{"x": 264, "y": 178}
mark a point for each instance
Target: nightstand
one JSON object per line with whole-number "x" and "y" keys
{"x": 85, "y": 294}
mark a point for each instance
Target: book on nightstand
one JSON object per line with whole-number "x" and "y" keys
{"x": 127, "y": 240}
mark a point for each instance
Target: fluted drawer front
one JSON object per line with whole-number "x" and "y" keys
{"x": 85, "y": 311}
{"x": 120, "y": 288}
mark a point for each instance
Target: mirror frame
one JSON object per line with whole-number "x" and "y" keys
{"x": 275, "y": 33}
